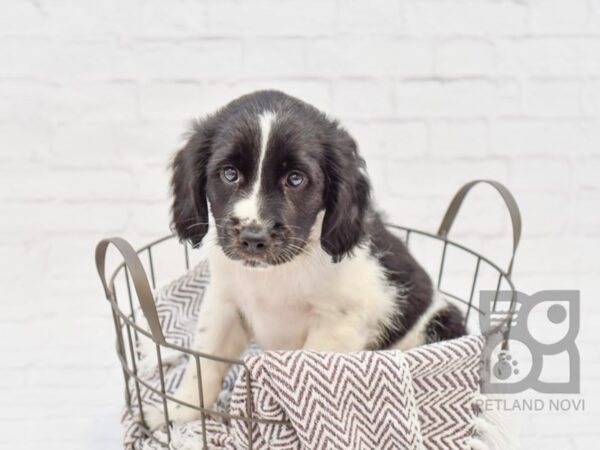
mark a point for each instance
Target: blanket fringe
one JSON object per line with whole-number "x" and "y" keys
{"x": 494, "y": 430}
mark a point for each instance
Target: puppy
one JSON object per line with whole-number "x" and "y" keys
{"x": 278, "y": 196}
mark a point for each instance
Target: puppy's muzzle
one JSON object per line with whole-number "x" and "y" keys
{"x": 254, "y": 240}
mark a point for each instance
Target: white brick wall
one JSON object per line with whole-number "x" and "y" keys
{"x": 94, "y": 98}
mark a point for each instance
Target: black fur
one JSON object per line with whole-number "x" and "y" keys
{"x": 448, "y": 323}
{"x": 347, "y": 196}
{"x": 415, "y": 293}
{"x": 190, "y": 210}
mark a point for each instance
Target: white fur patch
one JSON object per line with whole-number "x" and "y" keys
{"x": 247, "y": 210}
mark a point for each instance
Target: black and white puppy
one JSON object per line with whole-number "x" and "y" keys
{"x": 278, "y": 195}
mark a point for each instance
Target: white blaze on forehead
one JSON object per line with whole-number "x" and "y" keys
{"x": 247, "y": 209}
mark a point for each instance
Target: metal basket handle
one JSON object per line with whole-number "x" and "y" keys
{"x": 509, "y": 200}
{"x": 139, "y": 278}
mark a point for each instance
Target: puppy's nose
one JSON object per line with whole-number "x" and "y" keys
{"x": 254, "y": 239}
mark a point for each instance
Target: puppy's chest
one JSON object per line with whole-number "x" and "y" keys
{"x": 278, "y": 318}
{"x": 280, "y": 305}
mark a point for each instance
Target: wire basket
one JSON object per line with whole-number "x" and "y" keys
{"x": 457, "y": 271}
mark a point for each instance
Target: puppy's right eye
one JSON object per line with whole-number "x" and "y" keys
{"x": 230, "y": 174}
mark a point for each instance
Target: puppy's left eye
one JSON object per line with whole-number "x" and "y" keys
{"x": 230, "y": 174}
{"x": 294, "y": 179}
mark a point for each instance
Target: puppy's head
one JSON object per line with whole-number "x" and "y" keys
{"x": 268, "y": 164}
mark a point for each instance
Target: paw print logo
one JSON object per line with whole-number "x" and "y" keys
{"x": 505, "y": 366}
{"x": 543, "y": 326}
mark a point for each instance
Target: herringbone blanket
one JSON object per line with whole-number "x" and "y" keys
{"x": 419, "y": 399}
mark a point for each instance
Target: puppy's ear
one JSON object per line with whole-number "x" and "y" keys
{"x": 347, "y": 196}
{"x": 188, "y": 185}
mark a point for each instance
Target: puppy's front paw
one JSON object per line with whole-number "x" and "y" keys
{"x": 179, "y": 414}
{"x": 154, "y": 416}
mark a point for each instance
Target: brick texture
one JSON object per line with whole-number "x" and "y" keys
{"x": 96, "y": 96}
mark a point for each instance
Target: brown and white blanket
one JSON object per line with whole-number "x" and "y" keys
{"x": 420, "y": 399}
